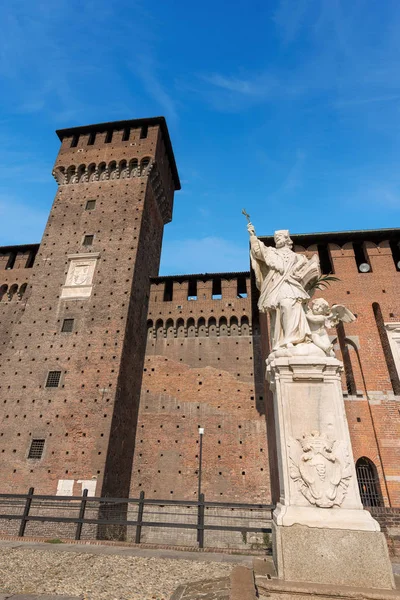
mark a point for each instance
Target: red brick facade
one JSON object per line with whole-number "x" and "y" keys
{"x": 126, "y": 415}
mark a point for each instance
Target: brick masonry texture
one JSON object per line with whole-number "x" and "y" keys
{"x": 151, "y": 359}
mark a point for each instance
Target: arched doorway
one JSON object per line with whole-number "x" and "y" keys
{"x": 368, "y": 482}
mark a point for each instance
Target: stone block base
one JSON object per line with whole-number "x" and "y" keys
{"x": 332, "y": 556}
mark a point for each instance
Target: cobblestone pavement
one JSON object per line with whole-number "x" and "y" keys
{"x": 98, "y": 576}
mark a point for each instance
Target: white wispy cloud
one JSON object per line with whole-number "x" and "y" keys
{"x": 146, "y": 68}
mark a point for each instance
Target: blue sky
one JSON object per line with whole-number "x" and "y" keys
{"x": 289, "y": 108}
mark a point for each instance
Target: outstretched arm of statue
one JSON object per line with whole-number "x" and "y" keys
{"x": 255, "y": 244}
{"x": 251, "y": 230}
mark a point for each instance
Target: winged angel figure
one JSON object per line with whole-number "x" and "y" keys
{"x": 321, "y": 316}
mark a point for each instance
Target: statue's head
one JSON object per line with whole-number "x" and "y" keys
{"x": 320, "y": 307}
{"x": 282, "y": 238}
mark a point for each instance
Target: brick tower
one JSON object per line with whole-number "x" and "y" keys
{"x": 72, "y": 361}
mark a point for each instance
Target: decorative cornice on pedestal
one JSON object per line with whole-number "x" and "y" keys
{"x": 392, "y": 327}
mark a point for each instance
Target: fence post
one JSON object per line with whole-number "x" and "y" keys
{"x": 81, "y": 515}
{"x": 139, "y": 518}
{"x": 200, "y": 521}
{"x": 25, "y": 514}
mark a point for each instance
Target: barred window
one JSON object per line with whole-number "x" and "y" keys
{"x": 36, "y": 449}
{"x": 68, "y": 325}
{"x": 90, "y": 204}
{"x": 88, "y": 240}
{"x": 53, "y": 379}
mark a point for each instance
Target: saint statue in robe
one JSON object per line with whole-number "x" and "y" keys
{"x": 281, "y": 277}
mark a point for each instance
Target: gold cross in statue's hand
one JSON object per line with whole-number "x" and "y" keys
{"x": 246, "y": 215}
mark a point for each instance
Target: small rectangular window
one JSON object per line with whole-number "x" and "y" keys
{"x": 108, "y": 139}
{"x": 192, "y": 290}
{"x": 216, "y": 289}
{"x": 90, "y": 205}
{"x": 68, "y": 325}
{"x": 36, "y": 449}
{"x": 53, "y": 379}
{"x": 168, "y": 290}
{"x": 126, "y": 134}
{"x": 143, "y": 132}
{"x": 92, "y": 138}
{"x": 88, "y": 240}
{"x": 74, "y": 141}
{"x": 241, "y": 287}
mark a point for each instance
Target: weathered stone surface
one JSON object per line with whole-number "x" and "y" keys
{"x": 333, "y": 556}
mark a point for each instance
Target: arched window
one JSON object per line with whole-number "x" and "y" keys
{"x": 112, "y": 168}
{"x": 234, "y": 326}
{"x": 102, "y": 171}
{"x": 133, "y": 167}
{"x": 368, "y": 482}
{"x": 245, "y": 327}
{"x": 144, "y": 163}
{"x": 223, "y": 326}
{"x": 212, "y": 327}
{"x": 170, "y": 328}
{"x": 81, "y": 173}
{"x": 123, "y": 169}
{"x": 71, "y": 174}
{"x": 201, "y": 327}
{"x": 150, "y": 329}
{"x": 191, "y": 328}
{"x": 21, "y": 290}
{"x": 3, "y": 290}
{"x": 159, "y": 329}
{"x": 12, "y": 291}
{"x": 180, "y": 328}
{"x": 91, "y": 172}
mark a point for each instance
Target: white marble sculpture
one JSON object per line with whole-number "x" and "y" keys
{"x": 320, "y": 317}
{"x": 321, "y": 467}
{"x": 282, "y": 277}
{"x": 319, "y": 524}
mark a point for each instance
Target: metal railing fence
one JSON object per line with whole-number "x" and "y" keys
{"x": 109, "y": 518}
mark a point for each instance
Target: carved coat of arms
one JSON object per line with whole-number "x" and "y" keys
{"x": 80, "y": 274}
{"x": 321, "y": 468}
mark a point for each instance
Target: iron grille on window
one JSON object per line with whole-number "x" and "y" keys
{"x": 368, "y": 483}
{"x": 88, "y": 240}
{"x": 36, "y": 449}
{"x": 53, "y": 379}
{"x": 68, "y": 325}
{"x": 90, "y": 204}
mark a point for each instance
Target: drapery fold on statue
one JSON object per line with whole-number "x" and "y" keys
{"x": 280, "y": 274}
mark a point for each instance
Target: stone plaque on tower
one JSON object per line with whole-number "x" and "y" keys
{"x": 321, "y": 532}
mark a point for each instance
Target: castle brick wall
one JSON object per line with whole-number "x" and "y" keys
{"x": 88, "y": 421}
{"x": 202, "y": 369}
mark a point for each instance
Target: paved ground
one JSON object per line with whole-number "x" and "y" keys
{"x": 35, "y": 570}
{"x": 91, "y": 572}
{"x": 241, "y": 559}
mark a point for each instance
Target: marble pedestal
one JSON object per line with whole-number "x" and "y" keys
{"x": 321, "y": 533}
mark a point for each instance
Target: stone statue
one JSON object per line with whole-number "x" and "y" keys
{"x": 321, "y": 467}
{"x": 282, "y": 277}
{"x": 320, "y": 316}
